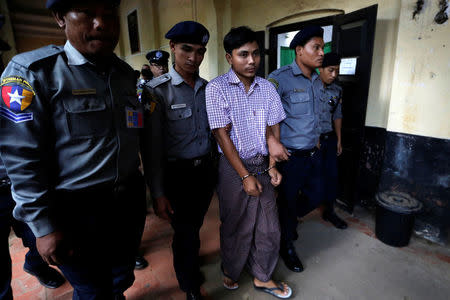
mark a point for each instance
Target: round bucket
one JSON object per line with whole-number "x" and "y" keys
{"x": 395, "y": 216}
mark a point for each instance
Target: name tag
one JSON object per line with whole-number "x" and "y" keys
{"x": 134, "y": 118}
{"x": 84, "y": 92}
{"x": 176, "y": 106}
{"x": 299, "y": 90}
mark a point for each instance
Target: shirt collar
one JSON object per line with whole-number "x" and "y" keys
{"x": 74, "y": 57}
{"x": 297, "y": 71}
{"x": 232, "y": 78}
{"x": 177, "y": 79}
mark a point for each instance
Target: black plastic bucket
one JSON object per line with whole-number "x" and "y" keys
{"x": 395, "y": 217}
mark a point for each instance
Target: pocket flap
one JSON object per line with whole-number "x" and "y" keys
{"x": 83, "y": 104}
{"x": 178, "y": 114}
{"x": 299, "y": 97}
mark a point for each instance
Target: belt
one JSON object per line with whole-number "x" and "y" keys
{"x": 303, "y": 152}
{"x": 190, "y": 162}
{"x": 327, "y": 135}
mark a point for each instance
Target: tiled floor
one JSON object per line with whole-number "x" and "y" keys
{"x": 349, "y": 264}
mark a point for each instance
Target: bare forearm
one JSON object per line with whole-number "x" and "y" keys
{"x": 337, "y": 128}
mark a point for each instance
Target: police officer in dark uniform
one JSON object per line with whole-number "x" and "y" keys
{"x": 330, "y": 123}
{"x": 159, "y": 61}
{"x": 178, "y": 149}
{"x": 299, "y": 133}
{"x": 70, "y": 131}
{"x": 34, "y": 264}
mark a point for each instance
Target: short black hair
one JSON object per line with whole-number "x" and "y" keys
{"x": 237, "y": 37}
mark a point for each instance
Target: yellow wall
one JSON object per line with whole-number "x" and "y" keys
{"x": 420, "y": 102}
{"x": 6, "y": 34}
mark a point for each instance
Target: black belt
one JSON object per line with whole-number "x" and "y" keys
{"x": 303, "y": 152}
{"x": 327, "y": 135}
{"x": 190, "y": 162}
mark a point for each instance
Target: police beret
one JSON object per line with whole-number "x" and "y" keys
{"x": 305, "y": 35}
{"x": 189, "y": 32}
{"x": 158, "y": 56}
{"x": 331, "y": 59}
{"x": 54, "y": 4}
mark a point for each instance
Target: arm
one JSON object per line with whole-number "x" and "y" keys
{"x": 153, "y": 152}
{"x": 251, "y": 185}
{"x": 337, "y": 129}
{"x": 277, "y": 151}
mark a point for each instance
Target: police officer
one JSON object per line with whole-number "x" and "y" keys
{"x": 300, "y": 135}
{"x": 182, "y": 175}
{"x": 330, "y": 124}
{"x": 70, "y": 142}
{"x": 34, "y": 264}
{"x": 158, "y": 60}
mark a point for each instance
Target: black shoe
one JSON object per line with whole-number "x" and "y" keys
{"x": 47, "y": 276}
{"x": 335, "y": 220}
{"x": 141, "y": 263}
{"x": 193, "y": 296}
{"x": 290, "y": 258}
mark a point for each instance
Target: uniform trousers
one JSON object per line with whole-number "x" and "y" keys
{"x": 302, "y": 172}
{"x": 249, "y": 230}
{"x": 33, "y": 260}
{"x": 103, "y": 225}
{"x": 189, "y": 186}
{"x": 328, "y": 152}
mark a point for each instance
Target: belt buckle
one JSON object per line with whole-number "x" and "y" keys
{"x": 197, "y": 162}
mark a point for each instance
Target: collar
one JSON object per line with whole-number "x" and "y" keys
{"x": 232, "y": 78}
{"x": 177, "y": 79}
{"x": 74, "y": 57}
{"x": 297, "y": 71}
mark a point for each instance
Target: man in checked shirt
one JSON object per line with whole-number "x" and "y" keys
{"x": 250, "y": 230}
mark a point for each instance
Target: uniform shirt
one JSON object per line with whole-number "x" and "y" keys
{"x": 299, "y": 97}
{"x": 249, "y": 112}
{"x": 3, "y": 174}
{"x": 328, "y": 113}
{"x": 78, "y": 130}
{"x": 177, "y": 124}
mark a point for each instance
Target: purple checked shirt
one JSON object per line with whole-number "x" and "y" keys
{"x": 249, "y": 113}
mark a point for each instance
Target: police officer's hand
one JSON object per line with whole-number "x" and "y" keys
{"x": 339, "y": 148}
{"x": 277, "y": 150}
{"x": 275, "y": 177}
{"x": 162, "y": 208}
{"x": 252, "y": 186}
{"x": 51, "y": 248}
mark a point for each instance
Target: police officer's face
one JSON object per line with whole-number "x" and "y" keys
{"x": 245, "y": 60}
{"x": 158, "y": 69}
{"x": 93, "y": 29}
{"x": 311, "y": 54}
{"x": 188, "y": 57}
{"x": 329, "y": 74}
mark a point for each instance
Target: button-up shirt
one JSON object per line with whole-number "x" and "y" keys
{"x": 299, "y": 96}
{"x": 249, "y": 112}
{"x": 177, "y": 126}
{"x": 329, "y": 105}
{"x": 76, "y": 134}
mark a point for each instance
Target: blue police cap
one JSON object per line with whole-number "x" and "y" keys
{"x": 55, "y": 4}
{"x": 305, "y": 35}
{"x": 158, "y": 56}
{"x": 331, "y": 59}
{"x": 189, "y": 32}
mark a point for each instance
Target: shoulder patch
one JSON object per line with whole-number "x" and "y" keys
{"x": 274, "y": 82}
{"x": 159, "y": 80}
{"x": 28, "y": 58}
{"x": 16, "y": 93}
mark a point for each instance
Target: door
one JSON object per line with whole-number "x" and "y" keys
{"x": 353, "y": 38}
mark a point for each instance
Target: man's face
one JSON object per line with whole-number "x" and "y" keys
{"x": 93, "y": 29}
{"x": 188, "y": 57}
{"x": 158, "y": 69}
{"x": 245, "y": 60}
{"x": 311, "y": 54}
{"x": 329, "y": 74}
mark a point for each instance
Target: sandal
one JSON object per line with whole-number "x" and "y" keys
{"x": 231, "y": 287}
{"x": 271, "y": 291}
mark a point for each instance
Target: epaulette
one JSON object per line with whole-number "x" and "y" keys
{"x": 158, "y": 80}
{"x": 280, "y": 70}
{"x": 26, "y": 59}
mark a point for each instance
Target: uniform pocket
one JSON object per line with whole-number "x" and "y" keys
{"x": 87, "y": 117}
{"x": 180, "y": 119}
{"x": 301, "y": 104}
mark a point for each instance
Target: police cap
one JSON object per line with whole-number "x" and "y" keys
{"x": 189, "y": 32}
{"x": 57, "y": 4}
{"x": 305, "y": 35}
{"x": 331, "y": 59}
{"x": 158, "y": 56}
